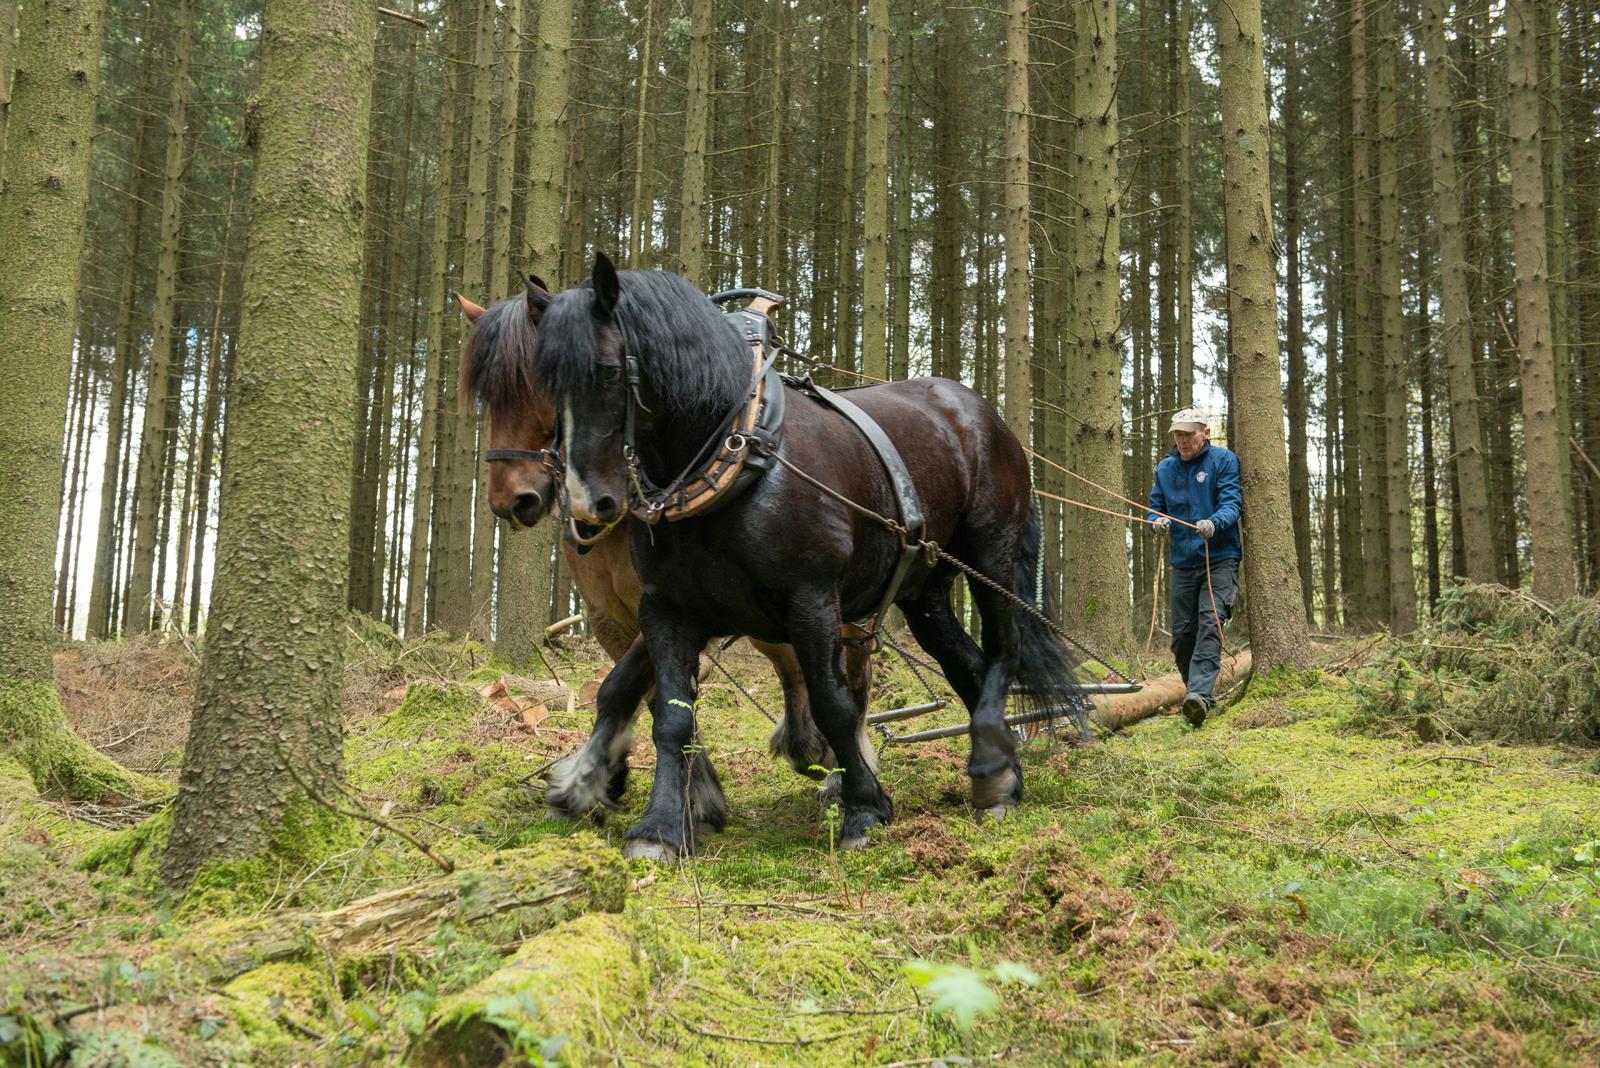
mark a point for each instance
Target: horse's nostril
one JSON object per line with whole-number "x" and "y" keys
{"x": 605, "y": 509}
{"x": 527, "y": 508}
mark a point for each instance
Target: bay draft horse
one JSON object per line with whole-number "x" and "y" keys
{"x": 787, "y": 562}
{"x": 497, "y": 370}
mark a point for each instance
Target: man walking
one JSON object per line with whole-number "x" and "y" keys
{"x": 1195, "y": 501}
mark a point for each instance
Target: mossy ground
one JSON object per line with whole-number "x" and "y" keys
{"x": 1276, "y": 888}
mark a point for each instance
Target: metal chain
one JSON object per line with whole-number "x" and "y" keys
{"x": 748, "y": 696}
{"x": 911, "y": 662}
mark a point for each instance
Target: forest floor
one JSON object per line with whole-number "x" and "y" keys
{"x": 1283, "y": 886}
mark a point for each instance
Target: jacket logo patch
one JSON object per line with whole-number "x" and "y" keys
{"x": 1200, "y": 477}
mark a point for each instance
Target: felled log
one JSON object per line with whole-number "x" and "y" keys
{"x": 565, "y": 990}
{"x": 513, "y": 895}
{"x": 1159, "y": 694}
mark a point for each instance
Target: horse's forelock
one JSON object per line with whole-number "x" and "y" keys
{"x": 567, "y": 342}
{"x": 693, "y": 357}
{"x": 497, "y": 365}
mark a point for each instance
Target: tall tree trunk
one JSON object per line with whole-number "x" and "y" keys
{"x": 1545, "y": 451}
{"x": 844, "y": 333}
{"x": 8, "y": 26}
{"x": 1185, "y": 281}
{"x": 83, "y": 392}
{"x": 947, "y": 204}
{"x": 642, "y": 225}
{"x": 526, "y": 572}
{"x": 1101, "y": 579}
{"x": 1374, "y": 603}
{"x": 1277, "y": 623}
{"x": 900, "y": 281}
{"x": 1456, "y": 332}
{"x": 696, "y": 135}
{"x": 1553, "y": 141}
{"x": 279, "y": 602}
{"x": 772, "y": 214}
{"x": 1332, "y": 441}
{"x": 148, "y": 478}
{"x": 215, "y": 379}
{"x": 42, "y": 214}
{"x": 1402, "y": 592}
{"x": 1299, "y": 470}
{"x": 1019, "y": 350}
{"x": 875, "y": 225}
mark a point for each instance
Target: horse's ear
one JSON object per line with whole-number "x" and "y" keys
{"x": 538, "y": 297}
{"x": 470, "y": 310}
{"x": 606, "y": 286}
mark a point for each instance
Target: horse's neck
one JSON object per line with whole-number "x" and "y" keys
{"x": 670, "y": 446}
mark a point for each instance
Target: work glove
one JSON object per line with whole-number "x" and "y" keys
{"x": 1206, "y": 528}
{"x": 1162, "y": 526}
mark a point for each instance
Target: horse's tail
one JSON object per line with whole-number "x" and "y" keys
{"x": 1047, "y": 668}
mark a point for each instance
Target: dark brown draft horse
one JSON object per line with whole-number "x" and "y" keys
{"x": 646, "y": 370}
{"x": 497, "y": 368}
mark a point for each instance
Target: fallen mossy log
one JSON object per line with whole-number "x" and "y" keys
{"x": 513, "y": 895}
{"x": 1159, "y": 694}
{"x": 565, "y": 990}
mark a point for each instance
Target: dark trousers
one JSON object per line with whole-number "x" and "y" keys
{"x": 1196, "y": 629}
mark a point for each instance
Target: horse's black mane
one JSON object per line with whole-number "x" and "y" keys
{"x": 497, "y": 366}
{"x": 693, "y": 358}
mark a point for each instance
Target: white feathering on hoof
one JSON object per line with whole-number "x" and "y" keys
{"x": 577, "y": 783}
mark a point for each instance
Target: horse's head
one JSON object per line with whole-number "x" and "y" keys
{"x": 497, "y": 369}
{"x": 642, "y": 369}
{"x": 588, "y": 371}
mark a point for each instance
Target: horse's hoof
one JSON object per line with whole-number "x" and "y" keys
{"x": 649, "y": 850}
{"x": 853, "y": 843}
{"x": 992, "y": 791}
{"x": 994, "y": 813}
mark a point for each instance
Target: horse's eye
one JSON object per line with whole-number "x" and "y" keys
{"x": 610, "y": 375}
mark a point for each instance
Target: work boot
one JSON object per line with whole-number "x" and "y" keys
{"x": 1195, "y": 708}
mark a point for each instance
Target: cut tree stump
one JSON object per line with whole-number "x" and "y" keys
{"x": 563, "y": 994}
{"x": 512, "y": 896}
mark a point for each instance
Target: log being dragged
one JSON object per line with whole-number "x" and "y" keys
{"x": 1159, "y": 694}
{"x": 511, "y": 896}
{"x": 565, "y": 990}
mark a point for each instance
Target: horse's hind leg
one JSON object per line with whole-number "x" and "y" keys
{"x": 592, "y": 779}
{"x": 982, "y": 678}
{"x": 837, "y": 690}
{"x": 686, "y": 799}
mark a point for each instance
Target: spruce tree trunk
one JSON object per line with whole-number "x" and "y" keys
{"x": 1351, "y": 580}
{"x": 1402, "y": 592}
{"x": 526, "y": 570}
{"x": 1555, "y": 170}
{"x": 773, "y": 213}
{"x": 844, "y": 334}
{"x": 1185, "y": 282}
{"x": 215, "y": 383}
{"x": 1277, "y": 622}
{"x": 83, "y": 413}
{"x": 1019, "y": 350}
{"x": 269, "y": 683}
{"x": 474, "y": 278}
{"x": 1545, "y": 450}
{"x": 900, "y": 285}
{"x": 1369, "y": 397}
{"x": 1299, "y": 470}
{"x": 1101, "y": 575}
{"x": 696, "y": 135}
{"x": 42, "y": 204}
{"x": 8, "y": 27}
{"x": 158, "y": 388}
{"x": 1456, "y": 332}
{"x": 875, "y": 225}
{"x": 641, "y": 226}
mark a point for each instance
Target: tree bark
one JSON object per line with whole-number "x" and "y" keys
{"x": 527, "y": 574}
{"x": 1456, "y": 333}
{"x": 8, "y": 26}
{"x": 1278, "y": 632}
{"x": 1019, "y": 348}
{"x": 42, "y": 216}
{"x": 158, "y": 388}
{"x": 844, "y": 332}
{"x": 1402, "y": 591}
{"x": 696, "y": 135}
{"x": 875, "y": 225}
{"x": 269, "y": 686}
{"x": 1101, "y": 575}
{"x": 1547, "y": 453}
{"x": 1299, "y": 469}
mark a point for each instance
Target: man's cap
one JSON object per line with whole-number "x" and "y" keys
{"x": 1189, "y": 419}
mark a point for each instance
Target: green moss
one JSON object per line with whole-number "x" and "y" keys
{"x": 133, "y": 853}
{"x": 307, "y": 835}
{"x": 429, "y": 711}
{"x": 277, "y": 1004}
{"x": 61, "y": 764}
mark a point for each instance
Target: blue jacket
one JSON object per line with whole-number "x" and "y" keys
{"x": 1206, "y": 487}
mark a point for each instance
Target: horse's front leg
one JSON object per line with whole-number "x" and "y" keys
{"x": 592, "y": 779}
{"x": 686, "y": 799}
